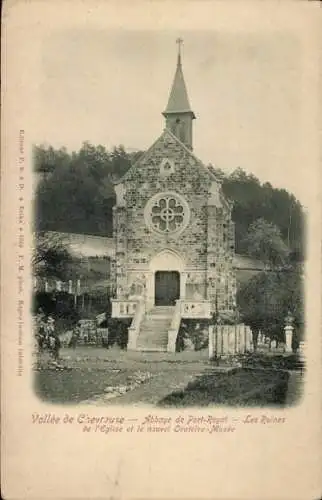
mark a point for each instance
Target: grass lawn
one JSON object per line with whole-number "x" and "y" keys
{"x": 78, "y": 384}
{"x": 177, "y": 380}
{"x": 241, "y": 388}
{"x": 89, "y": 371}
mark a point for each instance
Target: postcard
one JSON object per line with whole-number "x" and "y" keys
{"x": 161, "y": 250}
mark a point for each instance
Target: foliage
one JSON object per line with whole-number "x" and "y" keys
{"x": 225, "y": 318}
{"x": 80, "y": 184}
{"x": 91, "y": 304}
{"x": 274, "y": 361}
{"x": 264, "y": 241}
{"x": 59, "y": 305}
{"x": 265, "y": 300}
{"x": 44, "y": 301}
{"x": 118, "y": 331}
{"x": 51, "y": 257}
{"x": 195, "y": 330}
{"x": 253, "y": 200}
{"x": 46, "y": 160}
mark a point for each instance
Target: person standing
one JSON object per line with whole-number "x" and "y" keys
{"x": 53, "y": 339}
{"x": 56, "y": 347}
{"x": 75, "y": 337}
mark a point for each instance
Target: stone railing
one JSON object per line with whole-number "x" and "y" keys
{"x": 174, "y": 327}
{"x": 195, "y": 309}
{"x": 134, "y": 329}
{"x": 122, "y": 308}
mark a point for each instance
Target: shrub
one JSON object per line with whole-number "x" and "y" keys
{"x": 60, "y": 305}
{"x": 195, "y": 330}
{"x": 44, "y": 301}
{"x": 118, "y": 331}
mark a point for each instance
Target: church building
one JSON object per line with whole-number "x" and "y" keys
{"x": 173, "y": 235}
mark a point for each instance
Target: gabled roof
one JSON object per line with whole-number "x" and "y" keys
{"x": 139, "y": 160}
{"x": 182, "y": 145}
{"x": 178, "y": 99}
{"x": 210, "y": 171}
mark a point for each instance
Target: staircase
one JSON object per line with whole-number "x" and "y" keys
{"x": 154, "y": 328}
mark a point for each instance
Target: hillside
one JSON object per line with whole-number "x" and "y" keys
{"x": 80, "y": 184}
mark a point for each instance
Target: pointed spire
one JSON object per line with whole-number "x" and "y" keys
{"x": 178, "y": 99}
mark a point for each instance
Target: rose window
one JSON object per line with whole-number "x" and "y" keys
{"x": 167, "y": 213}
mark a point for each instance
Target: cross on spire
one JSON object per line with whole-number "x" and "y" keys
{"x": 178, "y": 113}
{"x": 179, "y": 41}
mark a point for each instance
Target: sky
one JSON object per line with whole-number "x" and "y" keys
{"x": 110, "y": 87}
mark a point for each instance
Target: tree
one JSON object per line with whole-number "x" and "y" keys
{"x": 120, "y": 162}
{"x": 97, "y": 160}
{"x": 265, "y": 300}
{"x": 263, "y": 241}
{"x": 253, "y": 200}
{"x": 47, "y": 159}
{"x": 80, "y": 184}
{"x": 51, "y": 258}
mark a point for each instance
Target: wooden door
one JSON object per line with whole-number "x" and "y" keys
{"x": 167, "y": 288}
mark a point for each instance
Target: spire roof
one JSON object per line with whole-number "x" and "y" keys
{"x": 178, "y": 99}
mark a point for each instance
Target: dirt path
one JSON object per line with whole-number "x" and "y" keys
{"x": 153, "y": 391}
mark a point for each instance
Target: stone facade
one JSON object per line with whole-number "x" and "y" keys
{"x": 202, "y": 252}
{"x": 172, "y": 217}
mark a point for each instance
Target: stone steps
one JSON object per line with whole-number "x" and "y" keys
{"x": 156, "y": 321}
{"x": 163, "y": 311}
{"x": 154, "y": 328}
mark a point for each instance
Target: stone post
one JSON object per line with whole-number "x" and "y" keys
{"x": 288, "y": 329}
{"x": 248, "y": 334}
{"x": 225, "y": 339}
{"x": 288, "y": 337}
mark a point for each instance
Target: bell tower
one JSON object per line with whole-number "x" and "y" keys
{"x": 178, "y": 113}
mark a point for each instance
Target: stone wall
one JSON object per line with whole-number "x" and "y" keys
{"x": 120, "y": 234}
{"x": 206, "y": 245}
{"x": 187, "y": 180}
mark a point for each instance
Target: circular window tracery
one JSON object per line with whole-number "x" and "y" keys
{"x": 167, "y": 213}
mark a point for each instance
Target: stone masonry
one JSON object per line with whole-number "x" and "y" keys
{"x": 206, "y": 246}
{"x": 171, "y": 214}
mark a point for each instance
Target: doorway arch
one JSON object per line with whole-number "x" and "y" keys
{"x": 166, "y": 267}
